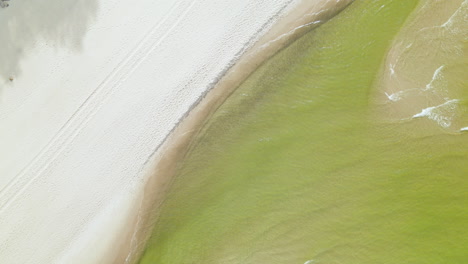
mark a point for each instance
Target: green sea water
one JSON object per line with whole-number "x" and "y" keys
{"x": 295, "y": 167}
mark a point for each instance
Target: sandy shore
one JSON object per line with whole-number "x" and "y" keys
{"x": 88, "y": 96}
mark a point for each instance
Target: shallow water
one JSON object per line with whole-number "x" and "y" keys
{"x": 298, "y": 166}
{"x": 424, "y": 72}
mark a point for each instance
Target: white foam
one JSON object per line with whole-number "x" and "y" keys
{"x": 436, "y": 76}
{"x": 392, "y": 69}
{"x": 443, "y": 118}
{"x": 394, "y": 96}
{"x": 397, "y": 96}
{"x": 464, "y": 129}
{"x": 424, "y": 112}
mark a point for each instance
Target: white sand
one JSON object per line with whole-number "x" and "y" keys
{"x": 96, "y": 86}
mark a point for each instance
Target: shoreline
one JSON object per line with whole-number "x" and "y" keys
{"x": 297, "y": 20}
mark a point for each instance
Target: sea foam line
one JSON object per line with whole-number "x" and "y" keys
{"x": 444, "y": 121}
{"x": 394, "y": 96}
{"x": 436, "y": 76}
{"x": 427, "y": 111}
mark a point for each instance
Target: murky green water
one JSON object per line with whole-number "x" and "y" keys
{"x": 295, "y": 167}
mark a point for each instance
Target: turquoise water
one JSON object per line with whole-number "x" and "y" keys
{"x": 297, "y": 166}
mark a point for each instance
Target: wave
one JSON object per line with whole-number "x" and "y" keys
{"x": 442, "y": 114}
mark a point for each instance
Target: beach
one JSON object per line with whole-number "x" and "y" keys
{"x": 203, "y": 131}
{"x": 89, "y": 92}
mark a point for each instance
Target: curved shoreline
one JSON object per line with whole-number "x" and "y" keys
{"x": 297, "y": 20}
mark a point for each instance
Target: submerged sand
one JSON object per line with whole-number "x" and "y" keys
{"x": 423, "y": 74}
